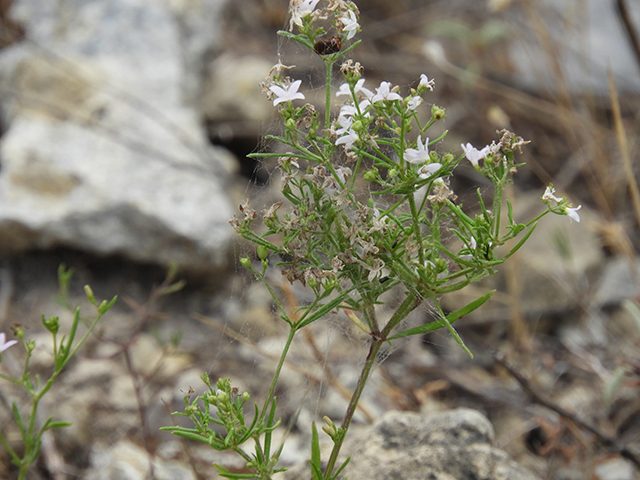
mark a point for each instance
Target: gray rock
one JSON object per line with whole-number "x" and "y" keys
{"x": 446, "y": 446}
{"x": 619, "y": 281}
{"x": 104, "y": 151}
{"x": 588, "y": 39}
{"x": 126, "y": 461}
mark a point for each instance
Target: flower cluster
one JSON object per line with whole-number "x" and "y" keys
{"x": 367, "y": 208}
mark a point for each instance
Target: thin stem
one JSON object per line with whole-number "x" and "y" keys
{"x": 497, "y": 208}
{"x": 327, "y": 100}
{"x": 353, "y": 403}
{"x": 276, "y": 375}
{"x": 416, "y": 226}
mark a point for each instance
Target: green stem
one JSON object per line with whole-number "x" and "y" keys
{"x": 497, "y": 208}
{"x": 276, "y": 375}
{"x": 327, "y": 105}
{"x": 416, "y": 227}
{"x": 353, "y": 404}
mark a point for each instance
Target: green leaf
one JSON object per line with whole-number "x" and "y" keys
{"x": 16, "y": 415}
{"x": 315, "y": 453}
{"x": 441, "y": 323}
{"x": 521, "y": 242}
{"x": 267, "y": 435}
{"x": 53, "y": 425}
{"x": 322, "y": 311}
{"x": 179, "y": 431}
{"x": 346, "y": 462}
{"x": 227, "y": 474}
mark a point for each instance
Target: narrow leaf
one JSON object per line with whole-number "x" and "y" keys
{"x": 440, "y": 323}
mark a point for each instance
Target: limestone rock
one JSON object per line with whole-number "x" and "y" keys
{"x": 104, "y": 150}
{"x": 446, "y": 446}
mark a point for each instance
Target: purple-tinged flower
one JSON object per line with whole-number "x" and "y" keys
{"x": 287, "y": 95}
{"x": 4, "y": 344}
{"x": 473, "y": 154}
{"x": 383, "y": 92}
{"x": 549, "y": 195}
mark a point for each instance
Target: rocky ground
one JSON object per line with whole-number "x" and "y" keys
{"x": 557, "y": 364}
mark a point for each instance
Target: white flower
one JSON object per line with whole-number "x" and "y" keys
{"x": 348, "y": 139}
{"x": 573, "y": 213}
{"x": 420, "y": 154}
{"x": 427, "y": 170}
{"x": 426, "y": 83}
{"x": 346, "y": 135}
{"x": 4, "y": 344}
{"x": 414, "y": 103}
{"x": 345, "y": 121}
{"x": 384, "y": 93}
{"x": 549, "y": 195}
{"x": 350, "y": 24}
{"x": 357, "y": 88}
{"x": 343, "y": 90}
{"x": 286, "y": 95}
{"x": 473, "y": 154}
{"x": 300, "y": 9}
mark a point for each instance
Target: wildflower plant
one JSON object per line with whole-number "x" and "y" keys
{"x": 349, "y": 244}
{"x": 64, "y": 348}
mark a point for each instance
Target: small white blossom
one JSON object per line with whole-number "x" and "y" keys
{"x": 350, "y": 24}
{"x": 343, "y": 90}
{"x": 348, "y": 139}
{"x": 427, "y": 170}
{"x": 426, "y": 83}
{"x": 573, "y": 213}
{"x": 345, "y": 121}
{"x": 414, "y": 103}
{"x": 383, "y": 92}
{"x": 418, "y": 155}
{"x": 473, "y": 154}
{"x": 299, "y": 10}
{"x": 4, "y": 344}
{"x": 287, "y": 95}
{"x": 549, "y": 195}
{"x": 357, "y": 88}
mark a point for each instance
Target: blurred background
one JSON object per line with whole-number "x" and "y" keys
{"x": 124, "y": 130}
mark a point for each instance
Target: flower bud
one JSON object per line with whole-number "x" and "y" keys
{"x": 290, "y": 124}
{"x": 52, "y": 324}
{"x": 329, "y": 285}
{"x": 371, "y": 175}
{"x": 245, "y": 262}
{"x": 18, "y": 330}
{"x": 245, "y": 397}
{"x": 263, "y": 252}
{"x": 437, "y": 112}
{"x": 89, "y": 293}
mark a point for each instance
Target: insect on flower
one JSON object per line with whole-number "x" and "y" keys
{"x": 328, "y": 46}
